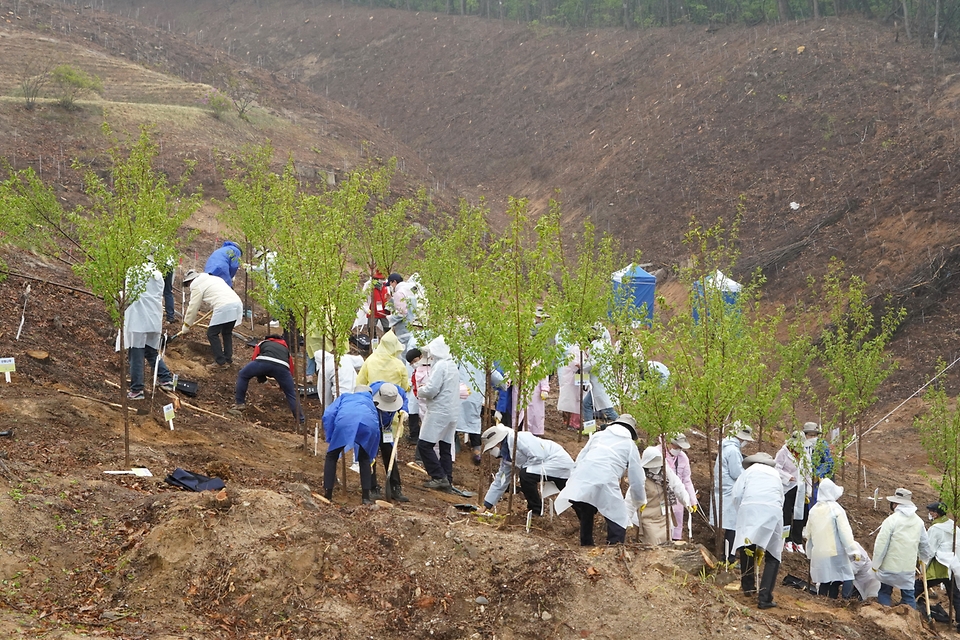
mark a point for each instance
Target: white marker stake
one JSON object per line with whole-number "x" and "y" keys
{"x": 23, "y": 316}
{"x": 7, "y": 366}
{"x": 316, "y": 437}
{"x": 168, "y": 414}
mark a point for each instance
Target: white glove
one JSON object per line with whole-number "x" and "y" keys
{"x": 497, "y": 417}
{"x": 185, "y": 328}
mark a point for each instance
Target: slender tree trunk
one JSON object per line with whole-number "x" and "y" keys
{"x": 783, "y": 10}
{"x": 856, "y": 431}
{"x": 721, "y": 550}
{"x": 668, "y": 508}
{"x": 936, "y": 45}
{"x": 906, "y": 19}
{"x": 836, "y": 8}
{"x": 123, "y": 400}
{"x": 583, "y": 418}
{"x": 816, "y": 9}
{"x": 301, "y": 405}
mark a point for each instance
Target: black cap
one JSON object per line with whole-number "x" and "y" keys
{"x": 395, "y": 277}
{"x": 938, "y": 507}
{"x": 413, "y": 354}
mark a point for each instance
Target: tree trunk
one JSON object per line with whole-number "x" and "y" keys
{"x": 668, "y": 508}
{"x": 721, "y": 550}
{"x": 836, "y": 8}
{"x": 301, "y": 408}
{"x": 906, "y": 19}
{"x": 124, "y": 401}
{"x": 583, "y": 418}
{"x": 816, "y": 9}
{"x": 783, "y": 10}
{"x": 936, "y": 45}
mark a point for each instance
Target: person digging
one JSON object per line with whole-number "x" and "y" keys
{"x": 389, "y": 399}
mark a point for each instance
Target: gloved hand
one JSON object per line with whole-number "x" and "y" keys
{"x": 184, "y": 329}
{"x": 403, "y": 415}
{"x": 642, "y": 507}
{"x": 855, "y": 557}
{"x": 543, "y": 395}
{"x": 497, "y": 417}
{"x": 693, "y": 508}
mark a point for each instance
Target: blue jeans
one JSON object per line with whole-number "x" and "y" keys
{"x": 135, "y": 356}
{"x": 263, "y": 369}
{"x": 885, "y": 597}
{"x": 168, "y": 295}
{"x": 588, "y": 413}
{"x": 311, "y": 366}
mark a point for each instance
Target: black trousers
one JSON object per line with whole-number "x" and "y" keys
{"x": 330, "y": 471}
{"x": 441, "y": 467}
{"x": 585, "y": 513}
{"x": 796, "y": 526}
{"x": 768, "y": 579}
{"x": 413, "y": 428}
{"x": 221, "y": 353}
{"x": 729, "y": 535}
{"x": 530, "y": 487}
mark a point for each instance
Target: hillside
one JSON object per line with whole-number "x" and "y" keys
{"x": 640, "y": 130}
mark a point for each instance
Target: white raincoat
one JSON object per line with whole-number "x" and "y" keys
{"x": 214, "y": 291}
{"x": 732, "y": 468}
{"x": 596, "y": 475}
{"x": 758, "y": 501}
{"x": 470, "y": 407}
{"x": 347, "y": 374}
{"x": 536, "y": 455}
{"x": 864, "y": 577}
{"x": 142, "y": 321}
{"x": 902, "y": 539}
{"x": 569, "y": 399}
{"x": 941, "y": 536}
{"x": 601, "y": 398}
{"x": 830, "y": 543}
{"x": 790, "y": 467}
{"x": 655, "y": 499}
{"x": 440, "y": 395}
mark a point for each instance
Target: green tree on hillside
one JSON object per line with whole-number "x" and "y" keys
{"x": 32, "y": 216}
{"x": 137, "y": 213}
{"x": 72, "y": 83}
{"x": 853, "y": 356}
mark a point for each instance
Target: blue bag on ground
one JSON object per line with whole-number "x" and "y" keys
{"x": 193, "y": 481}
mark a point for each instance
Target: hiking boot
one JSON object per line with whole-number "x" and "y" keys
{"x": 169, "y": 387}
{"x": 367, "y": 501}
{"x": 376, "y": 493}
{"x": 237, "y": 409}
{"x": 134, "y": 395}
{"x": 437, "y": 483}
{"x": 397, "y": 492}
{"x": 216, "y": 366}
{"x": 766, "y": 604}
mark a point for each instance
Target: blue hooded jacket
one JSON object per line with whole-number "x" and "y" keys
{"x": 352, "y": 419}
{"x": 224, "y": 262}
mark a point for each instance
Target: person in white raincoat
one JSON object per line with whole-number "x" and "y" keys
{"x": 598, "y": 400}
{"x": 471, "y": 406}
{"x": 345, "y": 375}
{"x": 568, "y": 401}
{"x": 864, "y": 577}
{"x": 830, "y": 544}
{"x": 594, "y": 484}
{"x": 758, "y": 500}
{"x": 943, "y": 534}
{"x": 901, "y": 541}
{"x": 793, "y": 463}
{"x": 538, "y": 461}
{"x": 142, "y": 325}
{"x": 730, "y": 462}
{"x": 653, "y": 519}
{"x": 227, "y": 312}
{"x": 440, "y": 397}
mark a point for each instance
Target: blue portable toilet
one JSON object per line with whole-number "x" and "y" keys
{"x": 636, "y": 285}
{"x": 718, "y": 281}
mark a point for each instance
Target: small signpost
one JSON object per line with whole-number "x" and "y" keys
{"x": 168, "y": 414}
{"x": 7, "y": 366}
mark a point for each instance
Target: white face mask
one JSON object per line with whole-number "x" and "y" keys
{"x": 416, "y": 365}
{"x": 931, "y": 516}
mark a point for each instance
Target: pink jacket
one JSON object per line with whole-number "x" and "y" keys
{"x": 680, "y": 463}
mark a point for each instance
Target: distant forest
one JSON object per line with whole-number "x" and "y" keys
{"x": 927, "y": 20}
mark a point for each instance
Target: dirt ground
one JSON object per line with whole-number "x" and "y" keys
{"x": 86, "y": 553}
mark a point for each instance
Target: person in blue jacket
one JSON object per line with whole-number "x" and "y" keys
{"x": 388, "y": 398}
{"x": 224, "y": 262}
{"x": 353, "y": 421}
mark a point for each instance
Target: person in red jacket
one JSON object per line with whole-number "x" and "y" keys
{"x": 271, "y": 359}
{"x": 380, "y": 296}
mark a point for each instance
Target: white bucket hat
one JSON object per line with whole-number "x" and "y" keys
{"x": 191, "y": 275}
{"x": 761, "y": 458}
{"x": 387, "y": 398}
{"x": 494, "y": 436}
{"x": 681, "y": 441}
{"x": 744, "y": 431}
{"x": 901, "y": 496}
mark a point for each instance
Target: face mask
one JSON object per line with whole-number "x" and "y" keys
{"x": 416, "y": 365}
{"x": 931, "y": 516}
{"x": 495, "y": 452}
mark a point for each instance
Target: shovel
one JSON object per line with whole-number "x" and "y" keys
{"x": 180, "y": 333}
{"x": 397, "y": 434}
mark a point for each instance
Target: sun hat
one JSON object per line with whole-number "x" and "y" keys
{"x": 387, "y": 398}
{"x": 362, "y": 388}
{"x": 628, "y": 421}
{"x": 494, "y": 436}
{"x": 901, "y": 496}
{"x": 762, "y": 458}
{"x": 651, "y": 458}
{"x": 191, "y": 275}
{"x": 811, "y": 427}
{"x": 744, "y": 431}
{"x": 681, "y": 441}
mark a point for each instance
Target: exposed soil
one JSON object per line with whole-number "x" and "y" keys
{"x": 673, "y": 122}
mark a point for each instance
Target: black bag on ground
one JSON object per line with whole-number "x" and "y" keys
{"x": 188, "y": 388}
{"x": 193, "y": 481}
{"x": 938, "y": 613}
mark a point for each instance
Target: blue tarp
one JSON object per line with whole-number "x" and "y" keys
{"x": 718, "y": 282}
{"x": 636, "y": 285}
